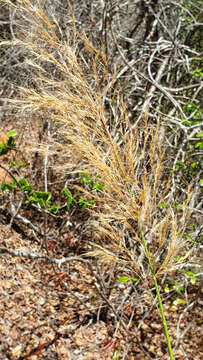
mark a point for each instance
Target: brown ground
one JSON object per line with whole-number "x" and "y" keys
{"x": 38, "y": 322}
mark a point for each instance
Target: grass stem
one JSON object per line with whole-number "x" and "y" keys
{"x": 163, "y": 318}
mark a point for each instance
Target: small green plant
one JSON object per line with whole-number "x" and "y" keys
{"x": 94, "y": 297}
{"x": 12, "y": 186}
{"x": 82, "y": 202}
{"x": 189, "y": 168}
{"x": 85, "y": 178}
{"x": 69, "y": 198}
{"x": 116, "y": 355}
{"x": 199, "y": 145}
{"x": 124, "y": 279}
{"x": 94, "y": 185}
{"x": 9, "y": 144}
{"x": 179, "y": 289}
{"x": 85, "y": 204}
{"x": 15, "y": 164}
{"x": 42, "y": 198}
{"x": 173, "y": 287}
{"x": 192, "y": 277}
{"x": 163, "y": 205}
{"x": 176, "y": 303}
{"x": 188, "y": 234}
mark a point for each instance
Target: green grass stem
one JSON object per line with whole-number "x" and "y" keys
{"x": 158, "y": 294}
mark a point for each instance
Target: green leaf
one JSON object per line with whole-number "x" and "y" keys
{"x": 42, "y": 203}
{"x": 192, "y": 227}
{"x": 69, "y": 198}
{"x": 179, "y": 207}
{"x": 189, "y": 147}
{"x": 193, "y": 165}
{"x": 193, "y": 280}
{"x": 178, "y": 301}
{"x": 190, "y": 273}
{"x": 91, "y": 204}
{"x": 54, "y": 209}
{"x": 96, "y": 186}
{"x": 163, "y": 205}
{"x": 84, "y": 178}
{"x": 116, "y": 355}
{"x": 44, "y": 195}
{"x": 66, "y": 192}
{"x": 23, "y": 165}
{"x": 123, "y": 279}
{"x": 23, "y": 182}
{"x": 13, "y": 163}
{"x": 12, "y": 133}
{"x": 3, "y": 148}
{"x": 198, "y": 135}
{"x": 186, "y": 123}
{"x": 6, "y": 186}
{"x": 82, "y": 202}
{"x": 178, "y": 288}
{"x": 187, "y": 236}
{"x": 94, "y": 297}
{"x": 85, "y": 204}
{"x": 166, "y": 288}
{"x": 177, "y": 258}
{"x": 25, "y": 186}
{"x": 190, "y": 107}
{"x": 181, "y": 163}
{"x": 32, "y": 200}
{"x": 199, "y": 145}
{"x": 11, "y": 142}
{"x": 192, "y": 276}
